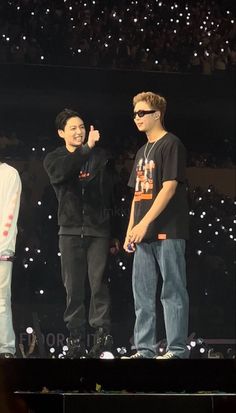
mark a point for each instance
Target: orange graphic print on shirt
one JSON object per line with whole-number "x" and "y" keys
{"x": 83, "y": 175}
{"x": 144, "y": 180}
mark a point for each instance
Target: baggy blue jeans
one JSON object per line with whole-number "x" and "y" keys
{"x": 165, "y": 258}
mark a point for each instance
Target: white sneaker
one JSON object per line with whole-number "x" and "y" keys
{"x": 134, "y": 356}
{"x": 168, "y": 356}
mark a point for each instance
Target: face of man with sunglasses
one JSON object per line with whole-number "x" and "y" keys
{"x": 147, "y": 119}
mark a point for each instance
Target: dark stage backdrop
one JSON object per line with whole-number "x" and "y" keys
{"x": 200, "y": 108}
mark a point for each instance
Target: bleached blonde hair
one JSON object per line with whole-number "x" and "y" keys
{"x": 154, "y": 100}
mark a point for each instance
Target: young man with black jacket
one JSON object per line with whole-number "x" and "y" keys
{"x": 79, "y": 174}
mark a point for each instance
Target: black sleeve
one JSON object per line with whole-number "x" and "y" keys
{"x": 61, "y": 166}
{"x": 132, "y": 178}
{"x": 139, "y": 157}
{"x": 174, "y": 162}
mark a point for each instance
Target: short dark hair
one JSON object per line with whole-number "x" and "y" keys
{"x": 63, "y": 117}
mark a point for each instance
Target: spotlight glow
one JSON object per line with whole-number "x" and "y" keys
{"x": 29, "y": 330}
{"x": 107, "y": 355}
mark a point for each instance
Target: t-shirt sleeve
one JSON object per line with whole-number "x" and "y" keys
{"x": 132, "y": 178}
{"x": 174, "y": 162}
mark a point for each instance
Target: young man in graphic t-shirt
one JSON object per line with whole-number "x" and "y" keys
{"x": 157, "y": 230}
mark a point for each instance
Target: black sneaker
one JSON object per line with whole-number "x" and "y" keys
{"x": 7, "y": 356}
{"x": 102, "y": 342}
{"x": 76, "y": 348}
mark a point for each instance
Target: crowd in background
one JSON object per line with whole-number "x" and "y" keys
{"x": 159, "y": 35}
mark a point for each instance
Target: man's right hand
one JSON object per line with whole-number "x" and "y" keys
{"x": 93, "y": 137}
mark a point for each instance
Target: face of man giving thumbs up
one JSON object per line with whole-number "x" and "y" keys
{"x": 74, "y": 134}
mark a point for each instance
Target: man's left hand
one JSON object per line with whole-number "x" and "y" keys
{"x": 114, "y": 246}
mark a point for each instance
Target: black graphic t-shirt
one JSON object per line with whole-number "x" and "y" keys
{"x": 155, "y": 163}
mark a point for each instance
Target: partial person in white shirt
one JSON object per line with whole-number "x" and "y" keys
{"x": 10, "y": 191}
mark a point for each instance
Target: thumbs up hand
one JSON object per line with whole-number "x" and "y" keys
{"x": 93, "y": 137}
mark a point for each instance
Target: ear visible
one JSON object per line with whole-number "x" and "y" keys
{"x": 61, "y": 133}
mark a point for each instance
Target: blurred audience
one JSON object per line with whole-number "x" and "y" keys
{"x": 157, "y": 35}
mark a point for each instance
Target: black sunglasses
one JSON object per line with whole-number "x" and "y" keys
{"x": 142, "y": 113}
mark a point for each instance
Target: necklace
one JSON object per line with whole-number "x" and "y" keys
{"x": 145, "y": 150}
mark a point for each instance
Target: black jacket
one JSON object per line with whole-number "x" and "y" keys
{"x": 84, "y": 188}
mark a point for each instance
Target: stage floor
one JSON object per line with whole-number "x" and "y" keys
{"x": 74, "y": 386}
{"x": 117, "y": 402}
{"x": 145, "y": 375}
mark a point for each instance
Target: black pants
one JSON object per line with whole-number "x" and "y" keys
{"x": 82, "y": 257}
